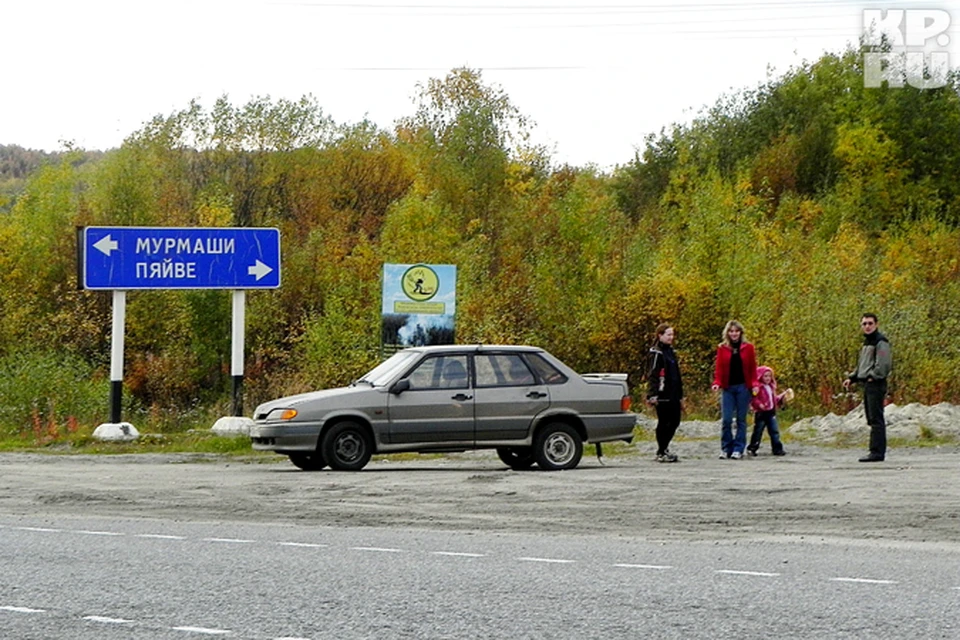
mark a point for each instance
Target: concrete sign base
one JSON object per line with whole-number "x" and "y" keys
{"x": 122, "y": 431}
{"x": 232, "y": 426}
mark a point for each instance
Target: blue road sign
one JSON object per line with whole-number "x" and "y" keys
{"x": 180, "y": 258}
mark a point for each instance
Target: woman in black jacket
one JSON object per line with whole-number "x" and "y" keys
{"x": 665, "y": 390}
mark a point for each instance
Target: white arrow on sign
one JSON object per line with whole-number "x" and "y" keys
{"x": 106, "y": 244}
{"x": 259, "y": 269}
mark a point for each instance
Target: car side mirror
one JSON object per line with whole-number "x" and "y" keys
{"x": 400, "y": 386}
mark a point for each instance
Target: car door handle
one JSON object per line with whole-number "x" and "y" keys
{"x": 461, "y": 397}
{"x": 536, "y": 394}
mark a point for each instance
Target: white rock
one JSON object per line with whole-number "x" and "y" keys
{"x": 232, "y": 426}
{"x": 116, "y": 431}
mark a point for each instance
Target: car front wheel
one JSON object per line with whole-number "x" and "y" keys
{"x": 518, "y": 458}
{"x": 557, "y": 447}
{"x": 346, "y": 447}
{"x": 308, "y": 461}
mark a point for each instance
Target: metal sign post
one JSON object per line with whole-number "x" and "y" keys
{"x": 236, "y": 351}
{"x": 116, "y": 353}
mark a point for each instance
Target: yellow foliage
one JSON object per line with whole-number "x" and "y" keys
{"x": 849, "y": 246}
{"x": 214, "y": 215}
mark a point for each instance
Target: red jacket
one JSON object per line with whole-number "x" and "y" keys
{"x": 721, "y": 373}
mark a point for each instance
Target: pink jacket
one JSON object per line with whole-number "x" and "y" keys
{"x": 767, "y": 398}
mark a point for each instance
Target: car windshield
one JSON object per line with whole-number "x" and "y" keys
{"x": 386, "y": 370}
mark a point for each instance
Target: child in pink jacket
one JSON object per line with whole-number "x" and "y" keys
{"x": 764, "y": 405}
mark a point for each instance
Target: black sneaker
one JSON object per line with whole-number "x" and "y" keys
{"x": 781, "y": 452}
{"x": 666, "y": 456}
{"x": 752, "y": 453}
{"x": 871, "y": 458}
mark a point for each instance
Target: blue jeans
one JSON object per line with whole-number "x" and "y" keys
{"x": 768, "y": 420}
{"x": 734, "y": 399}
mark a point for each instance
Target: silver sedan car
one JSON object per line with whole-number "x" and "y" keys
{"x": 521, "y": 401}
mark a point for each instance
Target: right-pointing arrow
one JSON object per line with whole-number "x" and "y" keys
{"x": 259, "y": 269}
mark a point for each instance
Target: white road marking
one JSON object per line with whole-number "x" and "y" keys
{"x": 157, "y": 536}
{"x": 864, "y": 580}
{"x": 643, "y": 566}
{"x": 22, "y": 610}
{"x": 762, "y": 574}
{"x": 204, "y": 630}
{"x": 99, "y": 533}
{"x": 382, "y": 549}
{"x": 457, "y": 554}
{"x": 107, "y": 620}
{"x": 550, "y": 560}
{"x": 308, "y": 545}
{"x": 41, "y": 529}
{"x": 229, "y": 540}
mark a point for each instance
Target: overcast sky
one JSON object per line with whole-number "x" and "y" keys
{"x": 594, "y": 77}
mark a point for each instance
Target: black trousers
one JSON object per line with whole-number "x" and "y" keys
{"x": 874, "y": 394}
{"x": 668, "y": 419}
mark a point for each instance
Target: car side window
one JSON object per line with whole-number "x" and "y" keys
{"x": 441, "y": 372}
{"x": 547, "y": 372}
{"x": 502, "y": 370}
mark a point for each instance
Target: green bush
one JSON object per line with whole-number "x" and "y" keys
{"x": 48, "y": 392}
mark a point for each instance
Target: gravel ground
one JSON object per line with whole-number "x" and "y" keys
{"x": 813, "y": 493}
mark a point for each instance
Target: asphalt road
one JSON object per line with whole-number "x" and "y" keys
{"x": 108, "y": 577}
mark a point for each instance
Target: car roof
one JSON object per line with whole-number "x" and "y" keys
{"x": 460, "y": 348}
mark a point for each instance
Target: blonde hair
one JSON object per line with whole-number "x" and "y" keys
{"x": 733, "y": 324}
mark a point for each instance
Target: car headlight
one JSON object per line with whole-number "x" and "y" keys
{"x": 282, "y": 414}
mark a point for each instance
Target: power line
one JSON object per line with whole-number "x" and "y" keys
{"x": 702, "y": 6}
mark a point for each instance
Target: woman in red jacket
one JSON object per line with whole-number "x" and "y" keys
{"x": 735, "y": 373}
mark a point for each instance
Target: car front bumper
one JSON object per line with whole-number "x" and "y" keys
{"x": 284, "y": 437}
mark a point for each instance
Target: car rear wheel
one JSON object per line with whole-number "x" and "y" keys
{"x": 346, "y": 447}
{"x": 308, "y": 461}
{"x": 557, "y": 447}
{"x": 518, "y": 458}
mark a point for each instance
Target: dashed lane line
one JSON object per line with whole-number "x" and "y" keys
{"x": 99, "y": 533}
{"x": 203, "y": 630}
{"x": 547, "y": 560}
{"x": 157, "y": 536}
{"x": 22, "y": 610}
{"x": 228, "y": 540}
{"x": 864, "y": 580}
{"x": 107, "y": 620}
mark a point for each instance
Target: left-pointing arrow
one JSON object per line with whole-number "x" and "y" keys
{"x": 259, "y": 269}
{"x": 106, "y": 244}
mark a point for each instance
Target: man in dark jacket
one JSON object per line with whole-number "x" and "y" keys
{"x": 873, "y": 367}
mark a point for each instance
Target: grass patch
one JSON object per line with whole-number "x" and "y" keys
{"x": 931, "y": 441}
{"x": 193, "y": 441}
